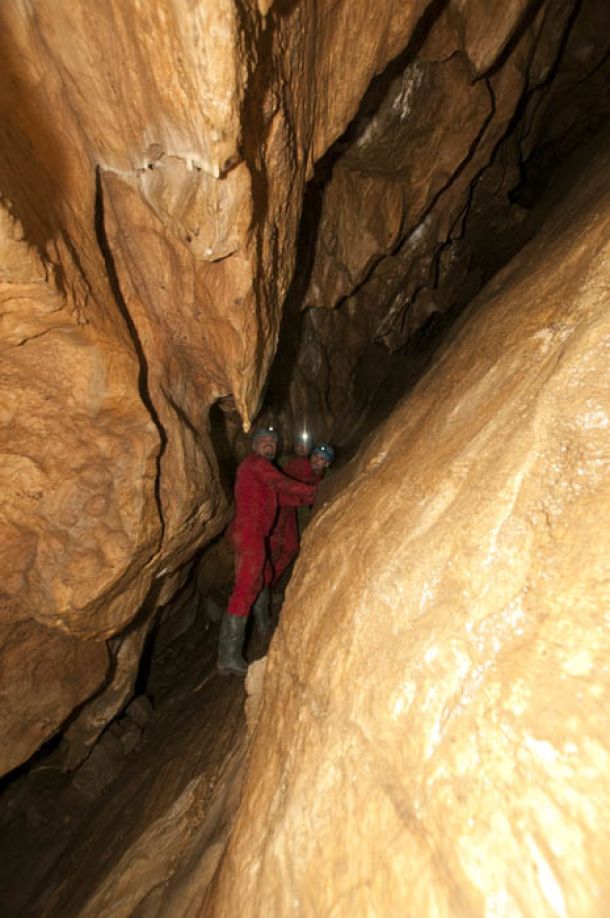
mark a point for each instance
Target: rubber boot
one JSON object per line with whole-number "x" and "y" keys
{"x": 260, "y": 610}
{"x": 230, "y": 643}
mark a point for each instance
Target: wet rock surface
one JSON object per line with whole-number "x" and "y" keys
{"x": 433, "y": 735}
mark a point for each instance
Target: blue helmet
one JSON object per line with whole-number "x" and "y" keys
{"x": 264, "y": 432}
{"x": 325, "y": 450}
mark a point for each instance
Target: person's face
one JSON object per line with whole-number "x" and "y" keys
{"x": 265, "y": 446}
{"x": 301, "y": 448}
{"x": 318, "y": 463}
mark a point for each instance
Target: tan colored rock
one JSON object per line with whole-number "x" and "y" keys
{"x": 152, "y": 166}
{"x": 486, "y": 29}
{"x": 434, "y": 734}
{"x": 416, "y": 213}
{"x": 255, "y": 682}
{"x": 326, "y": 41}
{"x": 44, "y": 676}
{"x": 125, "y": 654}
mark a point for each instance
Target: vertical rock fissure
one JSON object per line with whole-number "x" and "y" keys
{"x": 395, "y": 249}
{"x": 143, "y": 384}
{"x": 529, "y": 93}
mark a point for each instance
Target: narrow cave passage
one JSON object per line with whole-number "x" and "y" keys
{"x": 414, "y": 274}
{"x": 163, "y": 781}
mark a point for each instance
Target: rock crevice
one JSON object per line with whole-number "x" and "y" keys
{"x": 143, "y": 387}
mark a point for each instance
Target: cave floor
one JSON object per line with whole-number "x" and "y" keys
{"x": 62, "y": 853}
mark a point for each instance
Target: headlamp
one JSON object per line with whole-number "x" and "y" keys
{"x": 326, "y": 451}
{"x": 269, "y": 431}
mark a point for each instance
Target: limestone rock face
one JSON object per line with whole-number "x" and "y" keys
{"x": 152, "y": 169}
{"x": 152, "y": 165}
{"x": 45, "y": 675}
{"x": 415, "y": 205}
{"x": 433, "y": 738}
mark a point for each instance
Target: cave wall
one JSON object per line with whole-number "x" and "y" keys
{"x": 152, "y": 165}
{"x": 152, "y": 170}
{"x": 433, "y": 738}
{"x": 422, "y": 199}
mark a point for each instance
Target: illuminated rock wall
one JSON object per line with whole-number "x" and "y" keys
{"x": 434, "y": 732}
{"x": 152, "y": 165}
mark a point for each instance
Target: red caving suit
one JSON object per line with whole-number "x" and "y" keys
{"x": 258, "y": 489}
{"x": 284, "y": 541}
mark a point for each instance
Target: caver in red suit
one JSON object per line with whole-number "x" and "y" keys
{"x": 284, "y": 541}
{"x": 259, "y": 489}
